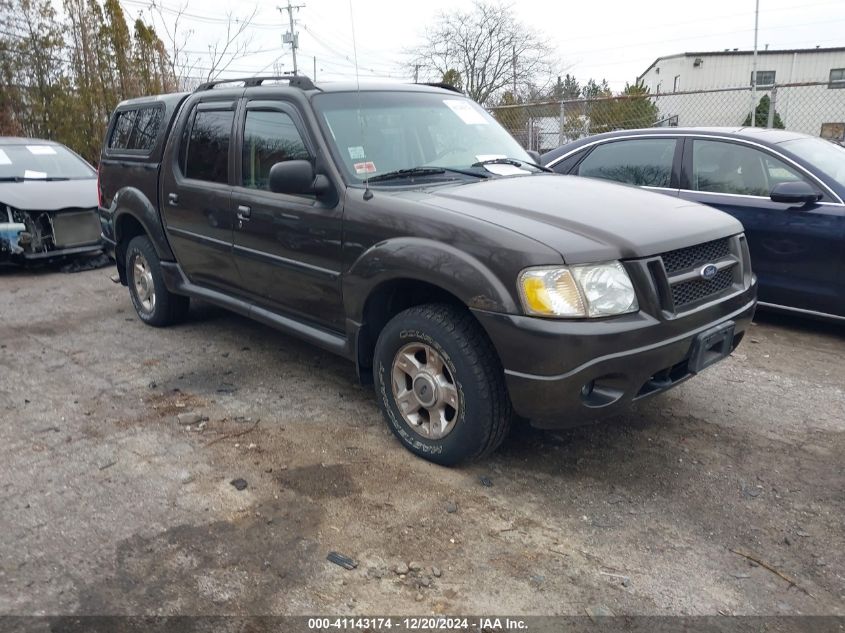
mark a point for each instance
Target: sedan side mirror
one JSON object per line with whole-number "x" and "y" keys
{"x": 795, "y": 192}
{"x": 297, "y": 177}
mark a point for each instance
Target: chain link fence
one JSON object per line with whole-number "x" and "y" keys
{"x": 814, "y": 108}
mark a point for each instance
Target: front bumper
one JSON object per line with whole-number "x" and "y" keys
{"x": 47, "y": 235}
{"x": 566, "y": 373}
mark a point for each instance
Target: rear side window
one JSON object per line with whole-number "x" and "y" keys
{"x": 136, "y": 129}
{"x": 207, "y": 152}
{"x": 122, "y": 129}
{"x": 145, "y": 130}
{"x": 643, "y": 162}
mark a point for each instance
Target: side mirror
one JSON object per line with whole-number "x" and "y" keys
{"x": 795, "y": 192}
{"x": 297, "y": 177}
{"x": 535, "y": 156}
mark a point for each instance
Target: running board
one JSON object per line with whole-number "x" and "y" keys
{"x": 177, "y": 282}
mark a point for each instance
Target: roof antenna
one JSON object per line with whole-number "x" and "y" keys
{"x": 367, "y": 193}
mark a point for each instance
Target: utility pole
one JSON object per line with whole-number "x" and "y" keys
{"x": 416, "y": 73}
{"x": 754, "y": 66}
{"x": 514, "y": 74}
{"x": 291, "y": 37}
{"x": 315, "y": 68}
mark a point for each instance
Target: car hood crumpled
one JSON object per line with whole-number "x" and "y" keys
{"x": 587, "y": 220}
{"x": 49, "y": 195}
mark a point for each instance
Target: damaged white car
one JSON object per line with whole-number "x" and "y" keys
{"x": 48, "y": 201}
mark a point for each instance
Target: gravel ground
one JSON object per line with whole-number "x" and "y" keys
{"x": 114, "y": 504}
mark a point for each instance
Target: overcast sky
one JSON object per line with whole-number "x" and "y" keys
{"x": 616, "y": 40}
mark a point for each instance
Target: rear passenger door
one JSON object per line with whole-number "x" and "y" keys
{"x": 287, "y": 247}
{"x": 644, "y": 162}
{"x": 197, "y": 194}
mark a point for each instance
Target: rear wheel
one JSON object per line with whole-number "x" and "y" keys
{"x": 440, "y": 384}
{"x": 153, "y": 302}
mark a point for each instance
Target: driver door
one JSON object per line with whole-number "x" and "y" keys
{"x": 287, "y": 247}
{"x": 793, "y": 248}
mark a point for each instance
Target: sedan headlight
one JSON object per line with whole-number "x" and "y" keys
{"x": 592, "y": 290}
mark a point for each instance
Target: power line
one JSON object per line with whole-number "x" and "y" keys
{"x": 155, "y": 4}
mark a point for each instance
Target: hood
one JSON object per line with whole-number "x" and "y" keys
{"x": 586, "y": 220}
{"x": 49, "y": 195}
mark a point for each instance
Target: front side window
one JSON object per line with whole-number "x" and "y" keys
{"x": 837, "y": 78}
{"x": 270, "y": 137}
{"x": 823, "y": 156}
{"x": 643, "y": 162}
{"x": 764, "y": 78}
{"x": 207, "y": 152}
{"x": 736, "y": 169}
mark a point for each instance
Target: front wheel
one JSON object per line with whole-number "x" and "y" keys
{"x": 153, "y": 302}
{"x": 440, "y": 384}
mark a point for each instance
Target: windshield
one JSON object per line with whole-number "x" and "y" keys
{"x": 40, "y": 161}
{"x": 408, "y": 130}
{"x": 824, "y": 156}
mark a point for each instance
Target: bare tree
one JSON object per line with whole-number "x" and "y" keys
{"x": 490, "y": 50}
{"x": 186, "y": 65}
{"x": 223, "y": 52}
{"x": 176, "y": 38}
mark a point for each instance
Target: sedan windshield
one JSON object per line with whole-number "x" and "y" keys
{"x": 41, "y": 161}
{"x": 377, "y": 133}
{"x": 822, "y": 155}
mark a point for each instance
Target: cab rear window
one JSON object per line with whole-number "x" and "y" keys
{"x": 136, "y": 129}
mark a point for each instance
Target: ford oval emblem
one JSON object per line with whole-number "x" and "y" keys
{"x": 708, "y": 272}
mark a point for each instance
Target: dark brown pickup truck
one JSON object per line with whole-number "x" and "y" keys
{"x": 403, "y": 228}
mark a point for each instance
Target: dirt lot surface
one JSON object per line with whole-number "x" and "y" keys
{"x": 112, "y": 506}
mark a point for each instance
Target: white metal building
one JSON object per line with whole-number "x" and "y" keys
{"x": 817, "y": 109}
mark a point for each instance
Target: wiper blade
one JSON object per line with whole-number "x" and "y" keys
{"x": 11, "y": 179}
{"x": 516, "y": 162}
{"x": 422, "y": 171}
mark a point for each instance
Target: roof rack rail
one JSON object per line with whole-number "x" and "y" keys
{"x": 294, "y": 81}
{"x": 441, "y": 84}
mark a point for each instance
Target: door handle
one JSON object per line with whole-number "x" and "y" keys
{"x": 244, "y": 212}
{"x": 173, "y": 199}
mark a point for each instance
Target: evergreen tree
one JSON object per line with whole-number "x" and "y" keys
{"x": 761, "y": 115}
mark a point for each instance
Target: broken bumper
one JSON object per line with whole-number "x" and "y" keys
{"x": 44, "y": 235}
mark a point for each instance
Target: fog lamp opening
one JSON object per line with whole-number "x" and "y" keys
{"x": 604, "y": 390}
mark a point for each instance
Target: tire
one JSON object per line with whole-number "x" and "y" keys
{"x": 153, "y": 302}
{"x": 472, "y": 375}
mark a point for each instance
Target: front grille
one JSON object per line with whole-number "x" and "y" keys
{"x": 690, "y": 291}
{"x": 685, "y": 258}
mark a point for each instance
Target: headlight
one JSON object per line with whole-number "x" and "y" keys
{"x": 592, "y": 290}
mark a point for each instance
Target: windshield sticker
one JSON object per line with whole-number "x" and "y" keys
{"x": 483, "y": 157}
{"x": 465, "y": 111}
{"x": 365, "y": 168}
{"x": 505, "y": 170}
{"x": 41, "y": 150}
{"x": 356, "y": 152}
{"x": 4, "y": 158}
{"x": 34, "y": 174}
